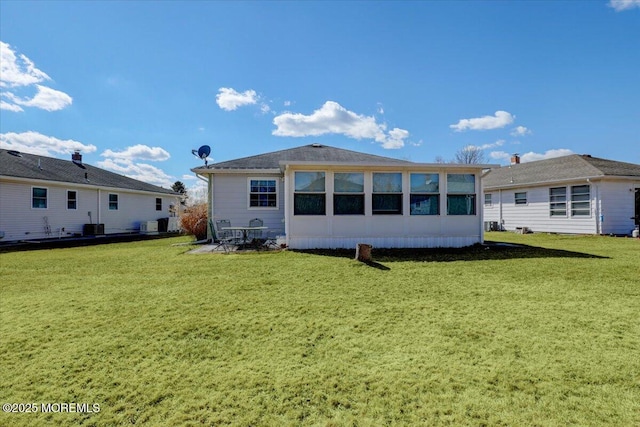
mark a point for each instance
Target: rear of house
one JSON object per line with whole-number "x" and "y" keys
{"x": 573, "y": 194}
{"x": 317, "y": 196}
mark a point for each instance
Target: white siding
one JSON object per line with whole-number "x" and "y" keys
{"x": 612, "y": 209}
{"x": 19, "y": 221}
{"x": 618, "y": 206}
{"x": 231, "y": 201}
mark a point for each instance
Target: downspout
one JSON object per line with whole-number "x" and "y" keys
{"x": 98, "y": 217}
{"x": 599, "y": 214}
{"x": 286, "y": 205}
{"x": 500, "y": 209}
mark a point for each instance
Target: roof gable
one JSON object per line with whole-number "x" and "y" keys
{"x": 31, "y": 166}
{"x": 306, "y": 153}
{"x": 563, "y": 168}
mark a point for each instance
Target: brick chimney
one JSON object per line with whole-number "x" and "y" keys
{"x": 76, "y": 157}
{"x": 515, "y": 159}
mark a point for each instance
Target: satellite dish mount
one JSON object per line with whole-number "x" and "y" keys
{"x": 202, "y": 152}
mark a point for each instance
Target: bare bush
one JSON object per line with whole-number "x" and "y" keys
{"x": 194, "y": 221}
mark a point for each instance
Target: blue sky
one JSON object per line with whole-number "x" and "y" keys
{"x": 137, "y": 85}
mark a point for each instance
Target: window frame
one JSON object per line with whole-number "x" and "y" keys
{"x": 456, "y": 195}
{"x": 319, "y": 195}
{"x": 250, "y": 193}
{"x": 396, "y": 196}
{"x": 555, "y": 204}
{"x": 574, "y": 202}
{"x": 417, "y": 193}
{"x": 112, "y": 203}
{"x": 74, "y": 200}
{"x": 45, "y": 198}
{"x": 338, "y": 194}
{"x": 158, "y": 203}
{"x": 488, "y": 202}
{"x": 520, "y": 201}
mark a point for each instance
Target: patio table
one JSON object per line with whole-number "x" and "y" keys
{"x": 245, "y": 230}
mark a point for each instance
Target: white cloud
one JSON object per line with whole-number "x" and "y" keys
{"x": 500, "y": 120}
{"x": 229, "y": 99}
{"x": 11, "y": 107}
{"x": 332, "y": 118}
{"x": 520, "y": 131}
{"x": 140, "y": 171}
{"x": 620, "y": 5}
{"x": 498, "y": 143}
{"x": 287, "y": 103}
{"x": 36, "y": 143}
{"x": 139, "y": 151}
{"x": 46, "y": 99}
{"x": 20, "y": 71}
{"x": 499, "y": 155}
{"x": 549, "y": 154}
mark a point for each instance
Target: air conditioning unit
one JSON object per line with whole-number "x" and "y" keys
{"x": 149, "y": 227}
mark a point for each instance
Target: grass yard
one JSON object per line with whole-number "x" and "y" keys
{"x": 543, "y": 335}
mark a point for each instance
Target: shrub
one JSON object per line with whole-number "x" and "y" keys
{"x": 194, "y": 221}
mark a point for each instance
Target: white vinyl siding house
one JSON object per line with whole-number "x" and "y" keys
{"x": 573, "y": 194}
{"x": 56, "y": 200}
{"x": 334, "y": 198}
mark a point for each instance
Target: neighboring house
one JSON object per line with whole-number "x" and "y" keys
{"x": 42, "y": 197}
{"x": 572, "y": 194}
{"x": 324, "y": 197}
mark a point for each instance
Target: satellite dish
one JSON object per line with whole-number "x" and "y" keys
{"x": 202, "y": 152}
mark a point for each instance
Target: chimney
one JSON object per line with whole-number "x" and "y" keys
{"x": 76, "y": 157}
{"x": 515, "y": 159}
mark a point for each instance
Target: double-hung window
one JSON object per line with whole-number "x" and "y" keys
{"x": 158, "y": 203}
{"x": 387, "y": 194}
{"x": 461, "y": 194}
{"x": 113, "y": 202}
{"x": 309, "y": 197}
{"x": 72, "y": 200}
{"x": 263, "y": 193}
{"x": 521, "y": 198}
{"x": 487, "y": 200}
{"x": 38, "y": 198}
{"x": 348, "y": 193}
{"x": 580, "y": 200}
{"x": 558, "y": 201}
{"x": 424, "y": 198}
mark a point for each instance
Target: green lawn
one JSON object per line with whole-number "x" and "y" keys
{"x": 542, "y": 335}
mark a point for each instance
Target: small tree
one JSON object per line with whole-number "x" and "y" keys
{"x": 470, "y": 155}
{"x": 194, "y": 221}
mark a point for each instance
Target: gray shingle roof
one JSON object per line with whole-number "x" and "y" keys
{"x": 25, "y": 165}
{"x": 563, "y": 168}
{"x": 312, "y": 152}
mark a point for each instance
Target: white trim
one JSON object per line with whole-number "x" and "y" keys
{"x": 46, "y": 200}
{"x": 76, "y": 200}
{"x": 109, "y": 202}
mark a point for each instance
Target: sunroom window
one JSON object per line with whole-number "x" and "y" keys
{"x": 424, "y": 198}
{"x": 348, "y": 193}
{"x": 461, "y": 194}
{"x": 309, "y": 197}
{"x": 387, "y": 194}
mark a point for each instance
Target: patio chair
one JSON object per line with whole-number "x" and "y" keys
{"x": 223, "y": 238}
{"x": 255, "y": 234}
{"x": 271, "y": 242}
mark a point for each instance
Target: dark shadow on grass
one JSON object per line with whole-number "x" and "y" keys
{"x": 479, "y": 252}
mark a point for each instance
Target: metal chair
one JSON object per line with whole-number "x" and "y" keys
{"x": 223, "y": 238}
{"x": 271, "y": 242}
{"x": 255, "y": 234}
